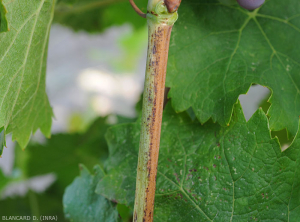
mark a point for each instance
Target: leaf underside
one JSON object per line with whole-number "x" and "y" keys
{"x": 218, "y": 51}
{"x": 24, "y": 105}
{"x": 208, "y": 172}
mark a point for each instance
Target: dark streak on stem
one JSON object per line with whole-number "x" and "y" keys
{"x": 154, "y": 94}
{"x": 159, "y": 66}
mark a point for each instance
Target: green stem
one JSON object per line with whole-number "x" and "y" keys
{"x": 160, "y": 23}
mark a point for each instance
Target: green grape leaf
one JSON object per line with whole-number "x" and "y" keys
{"x": 282, "y": 135}
{"x": 24, "y": 106}
{"x": 97, "y": 15}
{"x": 218, "y": 51}
{"x": 70, "y": 149}
{"x": 3, "y": 19}
{"x": 209, "y": 172}
{"x": 81, "y": 203}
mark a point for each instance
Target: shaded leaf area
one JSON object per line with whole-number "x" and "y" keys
{"x": 218, "y": 51}
{"x": 81, "y": 203}
{"x": 97, "y": 15}
{"x": 33, "y": 204}
{"x": 24, "y": 105}
{"x": 63, "y": 152}
{"x": 2, "y": 140}
{"x": 3, "y": 19}
{"x": 125, "y": 212}
{"x": 283, "y": 136}
{"x": 208, "y": 172}
{"x": 4, "y": 180}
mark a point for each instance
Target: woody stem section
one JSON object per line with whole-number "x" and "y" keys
{"x": 160, "y": 23}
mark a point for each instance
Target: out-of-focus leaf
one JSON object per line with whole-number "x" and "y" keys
{"x": 125, "y": 212}
{"x": 3, "y": 180}
{"x": 228, "y": 2}
{"x": 3, "y": 19}
{"x": 24, "y": 105}
{"x": 33, "y": 204}
{"x": 76, "y": 123}
{"x": 133, "y": 44}
{"x": 2, "y": 140}
{"x": 63, "y": 152}
{"x": 218, "y": 51}
{"x": 208, "y": 172}
{"x": 97, "y": 15}
{"x": 81, "y": 203}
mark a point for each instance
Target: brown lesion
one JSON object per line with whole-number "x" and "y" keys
{"x": 135, "y": 217}
{"x": 159, "y": 57}
{"x": 172, "y": 5}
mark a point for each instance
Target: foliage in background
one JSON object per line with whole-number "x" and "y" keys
{"x": 71, "y": 149}
{"x": 3, "y": 180}
{"x": 133, "y": 44}
{"x": 60, "y": 155}
{"x": 3, "y": 19}
{"x": 33, "y": 204}
{"x": 95, "y": 15}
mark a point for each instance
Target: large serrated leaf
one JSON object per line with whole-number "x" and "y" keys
{"x": 208, "y": 172}
{"x": 24, "y": 106}
{"x": 81, "y": 203}
{"x": 218, "y": 51}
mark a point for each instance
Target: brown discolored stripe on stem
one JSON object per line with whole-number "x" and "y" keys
{"x": 160, "y": 23}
